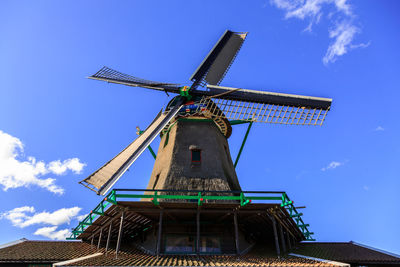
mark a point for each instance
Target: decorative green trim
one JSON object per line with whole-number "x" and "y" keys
{"x": 184, "y": 91}
{"x": 236, "y": 122}
{"x": 139, "y": 132}
{"x": 244, "y": 141}
{"x": 155, "y": 196}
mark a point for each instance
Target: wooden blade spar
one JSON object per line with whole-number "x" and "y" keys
{"x": 104, "y": 178}
{"x": 112, "y": 76}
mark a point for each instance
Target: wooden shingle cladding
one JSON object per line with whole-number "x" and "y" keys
{"x": 349, "y": 252}
{"x": 131, "y": 256}
{"x": 44, "y": 252}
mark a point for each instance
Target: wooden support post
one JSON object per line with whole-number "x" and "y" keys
{"x": 159, "y": 233}
{"x": 235, "y": 223}
{"x": 98, "y": 243}
{"x": 276, "y": 236}
{"x": 288, "y": 241}
{"x": 120, "y": 234}
{"x": 198, "y": 232}
{"x": 108, "y": 236}
{"x": 282, "y": 238}
{"x": 92, "y": 241}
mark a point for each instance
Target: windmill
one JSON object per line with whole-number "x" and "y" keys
{"x": 194, "y": 127}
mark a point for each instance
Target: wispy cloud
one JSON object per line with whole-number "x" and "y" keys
{"x": 26, "y": 216}
{"x": 50, "y": 232}
{"x": 81, "y": 217}
{"x": 332, "y": 165}
{"x": 16, "y": 172}
{"x": 379, "y": 129}
{"x": 343, "y": 30}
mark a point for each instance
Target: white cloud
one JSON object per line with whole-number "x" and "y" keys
{"x": 26, "y": 216}
{"x": 343, "y": 31}
{"x": 16, "y": 172}
{"x": 50, "y": 232}
{"x": 379, "y": 129}
{"x": 81, "y": 217}
{"x": 332, "y": 165}
{"x": 58, "y": 167}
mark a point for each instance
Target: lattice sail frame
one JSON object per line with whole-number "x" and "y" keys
{"x": 259, "y": 112}
{"x": 108, "y": 73}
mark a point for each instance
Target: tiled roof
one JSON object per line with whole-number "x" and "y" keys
{"x": 134, "y": 257}
{"x": 45, "y": 251}
{"x": 348, "y": 252}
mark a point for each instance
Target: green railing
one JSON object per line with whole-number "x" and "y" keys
{"x": 199, "y": 197}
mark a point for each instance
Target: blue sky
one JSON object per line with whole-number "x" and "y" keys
{"x": 56, "y": 127}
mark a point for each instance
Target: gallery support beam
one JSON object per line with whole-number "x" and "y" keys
{"x": 282, "y": 238}
{"x": 278, "y": 252}
{"x": 98, "y": 243}
{"x": 198, "y": 232}
{"x": 235, "y": 223}
{"x": 108, "y": 236}
{"x": 159, "y": 233}
{"x": 120, "y": 234}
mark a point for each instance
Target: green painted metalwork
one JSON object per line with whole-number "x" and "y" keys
{"x": 244, "y": 141}
{"x": 113, "y": 197}
{"x": 139, "y": 132}
{"x": 184, "y": 91}
{"x": 236, "y": 122}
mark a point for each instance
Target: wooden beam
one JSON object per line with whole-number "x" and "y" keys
{"x": 275, "y": 236}
{"x": 223, "y": 217}
{"x": 198, "y": 232}
{"x": 288, "y": 241}
{"x": 98, "y": 243}
{"x": 120, "y": 234}
{"x": 235, "y": 222}
{"x": 159, "y": 233}
{"x": 108, "y": 236}
{"x": 282, "y": 238}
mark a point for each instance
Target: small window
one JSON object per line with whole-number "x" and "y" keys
{"x": 196, "y": 155}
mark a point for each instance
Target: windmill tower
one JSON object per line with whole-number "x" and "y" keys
{"x": 194, "y": 152}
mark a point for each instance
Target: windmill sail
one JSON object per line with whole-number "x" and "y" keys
{"x": 261, "y": 106}
{"x": 104, "y": 178}
{"x": 109, "y": 75}
{"x": 217, "y": 62}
